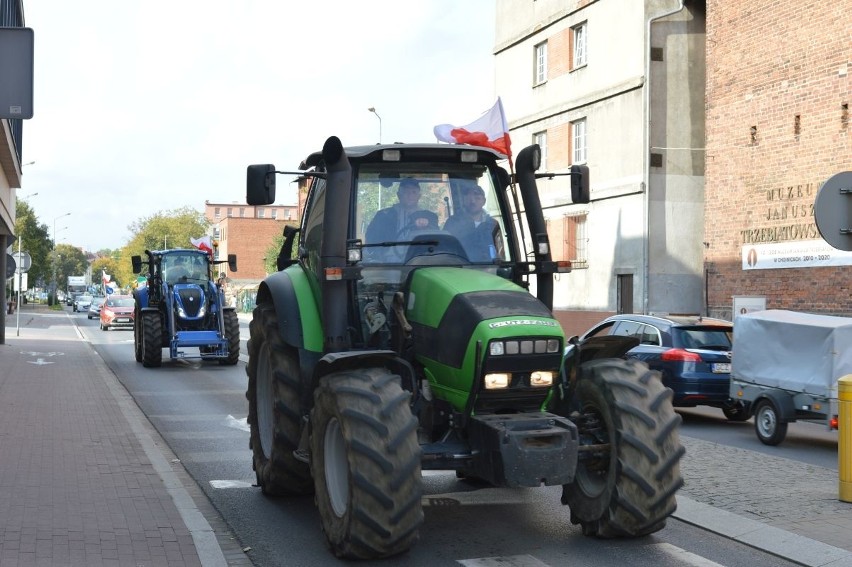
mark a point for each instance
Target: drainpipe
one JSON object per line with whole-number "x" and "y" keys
{"x": 646, "y": 163}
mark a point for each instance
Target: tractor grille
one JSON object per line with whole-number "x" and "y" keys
{"x": 191, "y": 299}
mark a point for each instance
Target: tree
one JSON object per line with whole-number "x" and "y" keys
{"x": 35, "y": 240}
{"x": 164, "y": 229}
{"x": 70, "y": 261}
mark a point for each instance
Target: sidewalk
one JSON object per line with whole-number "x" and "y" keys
{"x": 85, "y": 479}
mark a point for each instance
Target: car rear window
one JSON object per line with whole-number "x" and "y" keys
{"x": 711, "y": 338}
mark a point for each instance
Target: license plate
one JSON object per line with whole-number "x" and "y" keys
{"x": 721, "y": 367}
{"x": 126, "y": 320}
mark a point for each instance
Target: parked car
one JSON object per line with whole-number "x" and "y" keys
{"x": 692, "y": 353}
{"x": 95, "y": 307}
{"x": 117, "y": 312}
{"x": 82, "y": 302}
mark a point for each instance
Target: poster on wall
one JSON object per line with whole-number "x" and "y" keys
{"x": 794, "y": 254}
{"x": 747, "y": 303}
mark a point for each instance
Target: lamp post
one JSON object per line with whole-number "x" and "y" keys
{"x": 20, "y": 271}
{"x": 373, "y": 110}
{"x": 54, "y": 254}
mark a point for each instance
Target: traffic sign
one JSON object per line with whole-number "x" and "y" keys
{"x": 833, "y": 211}
{"x": 24, "y": 261}
{"x": 10, "y": 266}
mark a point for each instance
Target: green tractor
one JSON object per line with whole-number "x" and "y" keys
{"x": 376, "y": 354}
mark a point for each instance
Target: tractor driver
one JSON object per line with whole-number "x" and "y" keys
{"x": 177, "y": 271}
{"x": 399, "y": 221}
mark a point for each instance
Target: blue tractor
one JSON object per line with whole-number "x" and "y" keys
{"x": 181, "y": 307}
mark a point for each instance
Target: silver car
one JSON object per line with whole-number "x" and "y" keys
{"x": 95, "y": 308}
{"x": 82, "y": 303}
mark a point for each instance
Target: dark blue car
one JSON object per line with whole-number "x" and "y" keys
{"x": 692, "y": 353}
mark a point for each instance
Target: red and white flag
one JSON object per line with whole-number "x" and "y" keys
{"x": 490, "y": 131}
{"x": 204, "y": 243}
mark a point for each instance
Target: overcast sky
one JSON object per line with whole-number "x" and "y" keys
{"x": 142, "y": 107}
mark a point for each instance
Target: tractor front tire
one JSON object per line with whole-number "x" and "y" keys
{"x": 274, "y": 417}
{"x": 152, "y": 339}
{"x": 137, "y": 335}
{"x": 629, "y": 489}
{"x": 365, "y": 460}
{"x": 232, "y": 332}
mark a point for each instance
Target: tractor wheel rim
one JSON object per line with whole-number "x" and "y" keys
{"x": 265, "y": 419}
{"x": 336, "y": 467}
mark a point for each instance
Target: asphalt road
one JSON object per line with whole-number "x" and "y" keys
{"x": 200, "y": 411}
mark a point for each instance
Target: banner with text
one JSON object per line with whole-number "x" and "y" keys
{"x": 795, "y": 254}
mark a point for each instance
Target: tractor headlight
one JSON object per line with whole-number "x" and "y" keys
{"x": 497, "y": 380}
{"x": 541, "y": 378}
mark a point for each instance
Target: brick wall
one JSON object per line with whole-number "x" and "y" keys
{"x": 249, "y": 239}
{"x": 777, "y": 82}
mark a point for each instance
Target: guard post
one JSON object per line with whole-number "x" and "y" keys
{"x": 844, "y": 429}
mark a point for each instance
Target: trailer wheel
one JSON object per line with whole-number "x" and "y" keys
{"x": 767, "y": 425}
{"x": 232, "y": 332}
{"x": 366, "y": 464}
{"x": 627, "y": 488}
{"x": 137, "y": 335}
{"x": 152, "y": 339}
{"x": 274, "y": 417}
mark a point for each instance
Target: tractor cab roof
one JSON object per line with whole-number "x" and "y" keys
{"x": 413, "y": 153}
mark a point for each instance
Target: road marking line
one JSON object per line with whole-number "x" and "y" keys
{"x": 509, "y": 561}
{"x": 684, "y": 557}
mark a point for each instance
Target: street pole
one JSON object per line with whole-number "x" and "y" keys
{"x": 20, "y": 271}
{"x": 54, "y": 255}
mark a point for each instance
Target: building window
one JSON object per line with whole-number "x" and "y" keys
{"x": 242, "y": 212}
{"x": 568, "y": 242}
{"x": 217, "y": 213}
{"x": 261, "y": 213}
{"x": 579, "y": 46}
{"x": 274, "y": 213}
{"x": 540, "y": 138}
{"x": 624, "y": 292}
{"x": 230, "y": 212}
{"x": 288, "y": 214}
{"x": 540, "y": 63}
{"x": 578, "y": 141}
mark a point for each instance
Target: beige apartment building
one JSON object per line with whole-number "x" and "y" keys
{"x": 617, "y": 85}
{"x": 708, "y": 127}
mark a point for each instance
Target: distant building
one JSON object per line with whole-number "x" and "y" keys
{"x": 247, "y": 231}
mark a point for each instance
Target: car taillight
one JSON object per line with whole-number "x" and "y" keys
{"x": 679, "y": 355}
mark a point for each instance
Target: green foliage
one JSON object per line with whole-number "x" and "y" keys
{"x": 69, "y": 261}
{"x": 35, "y": 240}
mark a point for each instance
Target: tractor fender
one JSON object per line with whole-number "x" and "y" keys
{"x": 337, "y": 361}
{"x": 781, "y": 400}
{"x": 298, "y": 316}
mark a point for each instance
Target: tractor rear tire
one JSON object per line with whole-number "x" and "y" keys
{"x": 274, "y": 418}
{"x": 152, "y": 339}
{"x": 366, "y": 463}
{"x": 232, "y": 332}
{"x": 629, "y": 490}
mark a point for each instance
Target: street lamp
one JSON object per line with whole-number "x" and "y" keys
{"x": 54, "y": 252}
{"x": 373, "y": 110}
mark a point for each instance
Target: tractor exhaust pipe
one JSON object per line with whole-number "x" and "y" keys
{"x": 527, "y": 163}
{"x": 333, "y": 250}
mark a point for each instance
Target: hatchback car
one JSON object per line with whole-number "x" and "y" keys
{"x": 117, "y": 312}
{"x": 95, "y": 307}
{"x": 692, "y": 353}
{"x": 82, "y": 303}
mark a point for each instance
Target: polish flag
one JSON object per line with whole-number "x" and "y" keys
{"x": 109, "y": 287}
{"x": 490, "y": 131}
{"x": 204, "y": 243}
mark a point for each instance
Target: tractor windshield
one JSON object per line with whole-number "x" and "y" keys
{"x": 184, "y": 268}
{"x": 455, "y": 211}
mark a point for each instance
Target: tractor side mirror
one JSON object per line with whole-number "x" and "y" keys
{"x": 260, "y": 184}
{"x": 232, "y": 262}
{"x": 136, "y": 261}
{"x": 580, "y": 192}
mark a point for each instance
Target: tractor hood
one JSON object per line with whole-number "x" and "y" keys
{"x": 450, "y": 309}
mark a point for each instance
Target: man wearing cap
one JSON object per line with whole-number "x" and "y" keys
{"x": 473, "y": 226}
{"x": 394, "y": 223}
